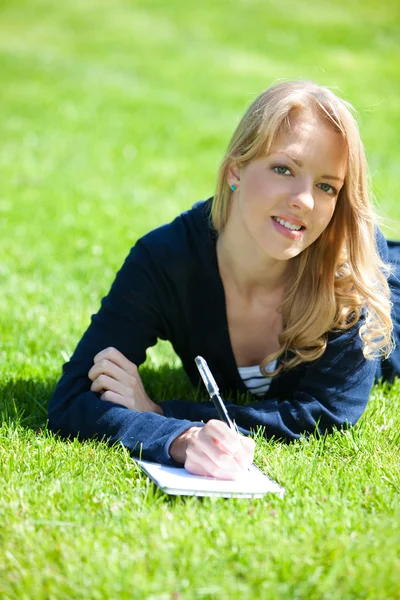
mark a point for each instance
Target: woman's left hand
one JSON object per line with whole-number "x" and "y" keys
{"x": 117, "y": 379}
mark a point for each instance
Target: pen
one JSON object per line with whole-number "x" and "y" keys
{"x": 213, "y": 390}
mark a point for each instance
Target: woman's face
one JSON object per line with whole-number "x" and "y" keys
{"x": 285, "y": 200}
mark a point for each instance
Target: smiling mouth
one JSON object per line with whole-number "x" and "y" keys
{"x": 288, "y": 225}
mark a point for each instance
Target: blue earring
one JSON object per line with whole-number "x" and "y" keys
{"x": 233, "y": 187}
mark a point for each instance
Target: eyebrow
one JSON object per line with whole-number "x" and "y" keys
{"x": 299, "y": 163}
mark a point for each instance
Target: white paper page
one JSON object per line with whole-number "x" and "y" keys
{"x": 175, "y": 480}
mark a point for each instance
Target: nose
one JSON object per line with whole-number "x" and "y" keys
{"x": 303, "y": 198}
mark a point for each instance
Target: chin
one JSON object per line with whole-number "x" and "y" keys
{"x": 293, "y": 253}
{"x": 283, "y": 255}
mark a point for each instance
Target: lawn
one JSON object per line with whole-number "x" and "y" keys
{"x": 115, "y": 116}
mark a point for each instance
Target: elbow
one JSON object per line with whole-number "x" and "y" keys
{"x": 57, "y": 415}
{"x": 64, "y": 409}
{"x": 67, "y": 406}
{"x": 333, "y": 423}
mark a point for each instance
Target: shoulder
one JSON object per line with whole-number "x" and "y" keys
{"x": 185, "y": 234}
{"x": 179, "y": 246}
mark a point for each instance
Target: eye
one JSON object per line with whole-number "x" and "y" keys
{"x": 325, "y": 187}
{"x": 282, "y": 170}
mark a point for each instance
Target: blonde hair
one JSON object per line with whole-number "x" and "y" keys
{"x": 339, "y": 276}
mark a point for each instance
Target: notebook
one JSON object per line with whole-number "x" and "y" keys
{"x": 177, "y": 481}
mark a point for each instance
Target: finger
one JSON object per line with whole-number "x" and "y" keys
{"x": 116, "y": 357}
{"x": 200, "y": 464}
{"x": 106, "y": 367}
{"x": 105, "y": 383}
{"x": 115, "y": 398}
{"x": 246, "y": 454}
{"x": 248, "y": 444}
{"x": 112, "y": 397}
{"x": 225, "y": 438}
{"x": 208, "y": 446}
{"x": 195, "y": 468}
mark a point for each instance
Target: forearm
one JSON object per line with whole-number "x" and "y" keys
{"x": 248, "y": 418}
{"x": 144, "y": 434}
{"x": 284, "y": 419}
{"x": 186, "y": 409}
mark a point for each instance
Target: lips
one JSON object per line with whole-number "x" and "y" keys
{"x": 292, "y": 234}
{"x": 287, "y": 222}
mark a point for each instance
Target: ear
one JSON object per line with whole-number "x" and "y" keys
{"x": 233, "y": 174}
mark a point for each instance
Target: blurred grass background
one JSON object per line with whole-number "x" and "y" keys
{"x": 114, "y": 117}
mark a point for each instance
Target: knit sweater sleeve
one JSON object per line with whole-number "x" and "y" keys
{"x": 333, "y": 392}
{"x": 130, "y": 320}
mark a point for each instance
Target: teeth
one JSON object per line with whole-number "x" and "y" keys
{"x": 287, "y": 224}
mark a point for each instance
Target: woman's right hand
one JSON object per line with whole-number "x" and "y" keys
{"x": 214, "y": 450}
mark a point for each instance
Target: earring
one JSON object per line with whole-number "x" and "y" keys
{"x": 233, "y": 187}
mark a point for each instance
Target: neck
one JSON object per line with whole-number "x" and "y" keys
{"x": 251, "y": 273}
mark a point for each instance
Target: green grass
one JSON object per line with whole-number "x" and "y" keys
{"x": 114, "y": 118}
{"x": 79, "y": 521}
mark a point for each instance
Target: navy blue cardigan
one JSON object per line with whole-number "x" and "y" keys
{"x": 169, "y": 288}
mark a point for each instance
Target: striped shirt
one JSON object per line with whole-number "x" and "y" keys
{"x": 254, "y": 380}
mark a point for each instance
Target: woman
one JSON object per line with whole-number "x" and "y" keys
{"x": 279, "y": 281}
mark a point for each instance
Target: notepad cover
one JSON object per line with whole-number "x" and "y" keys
{"x": 177, "y": 481}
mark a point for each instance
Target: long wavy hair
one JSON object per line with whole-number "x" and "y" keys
{"x": 340, "y": 277}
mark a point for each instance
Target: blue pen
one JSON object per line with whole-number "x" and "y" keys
{"x": 213, "y": 390}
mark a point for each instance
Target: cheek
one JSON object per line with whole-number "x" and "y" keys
{"x": 259, "y": 188}
{"x": 331, "y": 212}
{"x": 325, "y": 213}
